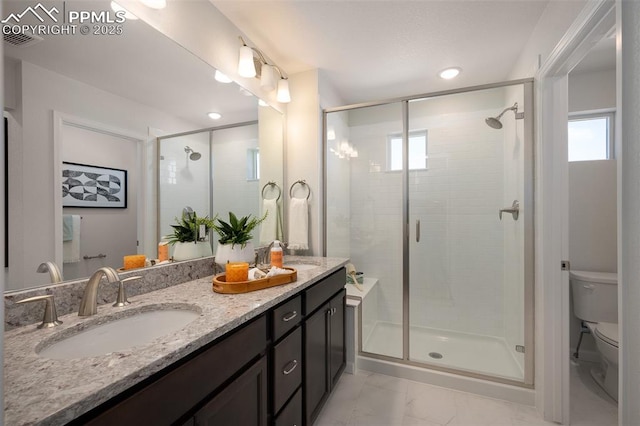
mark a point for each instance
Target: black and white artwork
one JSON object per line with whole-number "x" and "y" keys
{"x": 93, "y": 186}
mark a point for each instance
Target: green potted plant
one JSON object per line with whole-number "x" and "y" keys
{"x": 189, "y": 236}
{"x": 235, "y": 243}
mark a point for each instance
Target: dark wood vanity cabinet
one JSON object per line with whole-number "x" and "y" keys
{"x": 324, "y": 344}
{"x": 276, "y": 370}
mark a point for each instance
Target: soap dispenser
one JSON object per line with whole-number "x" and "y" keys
{"x": 276, "y": 254}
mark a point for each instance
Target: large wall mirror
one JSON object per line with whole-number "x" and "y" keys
{"x": 101, "y": 101}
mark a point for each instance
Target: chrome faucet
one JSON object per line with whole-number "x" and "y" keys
{"x": 54, "y": 271}
{"x": 89, "y": 303}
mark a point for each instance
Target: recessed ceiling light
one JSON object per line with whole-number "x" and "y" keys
{"x": 222, "y": 78}
{"x": 215, "y": 115}
{"x": 450, "y": 73}
{"x": 155, "y": 4}
{"x": 127, "y": 15}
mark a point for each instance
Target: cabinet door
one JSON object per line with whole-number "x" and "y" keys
{"x": 243, "y": 402}
{"x": 337, "y": 354}
{"x": 316, "y": 362}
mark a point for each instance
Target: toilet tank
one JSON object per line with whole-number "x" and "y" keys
{"x": 595, "y": 295}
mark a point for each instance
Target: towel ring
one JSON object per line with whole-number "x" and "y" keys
{"x": 302, "y": 183}
{"x": 272, "y": 184}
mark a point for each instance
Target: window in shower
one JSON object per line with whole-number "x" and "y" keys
{"x": 591, "y": 137}
{"x": 417, "y": 151}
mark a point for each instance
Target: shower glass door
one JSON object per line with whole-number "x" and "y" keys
{"x": 466, "y": 264}
{"x": 364, "y": 216}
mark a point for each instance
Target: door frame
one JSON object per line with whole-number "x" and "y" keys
{"x": 552, "y": 208}
{"x": 59, "y": 121}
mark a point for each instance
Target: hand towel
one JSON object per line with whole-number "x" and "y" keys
{"x": 271, "y": 228}
{"x": 298, "y": 224}
{"x": 71, "y": 248}
{"x": 67, "y": 227}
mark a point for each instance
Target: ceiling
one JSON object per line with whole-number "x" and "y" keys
{"x": 141, "y": 65}
{"x": 374, "y": 50}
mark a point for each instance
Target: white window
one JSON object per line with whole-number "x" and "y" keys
{"x": 253, "y": 164}
{"x": 591, "y": 137}
{"x": 417, "y": 151}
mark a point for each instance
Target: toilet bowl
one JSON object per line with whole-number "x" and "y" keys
{"x": 595, "y": 301}
{"x": 606, "y": 375}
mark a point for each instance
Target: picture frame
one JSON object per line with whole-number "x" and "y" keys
{"x": 84, "y": 185}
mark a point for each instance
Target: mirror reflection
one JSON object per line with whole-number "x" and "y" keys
{"x": 102, "y": 101}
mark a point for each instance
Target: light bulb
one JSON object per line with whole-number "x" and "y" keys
{"x": 215, "y": 115}
{"x": 268, "y": 78}
{"x": 283, "y": 95}
{"x": 449, "y": 73}
{"x": 246, "y": 67}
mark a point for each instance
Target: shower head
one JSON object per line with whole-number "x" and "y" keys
{"x": 494, "y": 122}
{"x": 193, "y": 156}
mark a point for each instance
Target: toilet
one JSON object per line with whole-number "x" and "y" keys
{"x": 595, "y": 301}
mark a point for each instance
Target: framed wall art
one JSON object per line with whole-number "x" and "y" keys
{"x": 84, "y": 185}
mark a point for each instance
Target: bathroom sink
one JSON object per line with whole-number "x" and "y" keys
{"x": 118, "y": 334}
{"x": 301, "y": 265}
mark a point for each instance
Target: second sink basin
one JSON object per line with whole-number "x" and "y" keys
{"x": 119, "y": 334}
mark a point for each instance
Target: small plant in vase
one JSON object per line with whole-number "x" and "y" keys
{"x": 188, "y": 237}
{"x": 235, "y": 238}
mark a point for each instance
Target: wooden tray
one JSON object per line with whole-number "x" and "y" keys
{"x": 221, "y": 286}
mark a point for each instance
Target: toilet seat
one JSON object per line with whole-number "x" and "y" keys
{"x": 608, "y": 332}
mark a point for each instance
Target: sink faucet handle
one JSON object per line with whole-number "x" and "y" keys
{"x": 50, "y": 318}
{"x": 122, "y": 294}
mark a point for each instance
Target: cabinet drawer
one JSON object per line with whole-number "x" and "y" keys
{"x": 191, "y": 382}
{"x": 286, "y": 316}
{"x": 318, "y": 294}
{"x": 291, "y": 414}
{"x": 287, "y": 368}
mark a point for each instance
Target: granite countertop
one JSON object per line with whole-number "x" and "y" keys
{"x": 52, "y": 392}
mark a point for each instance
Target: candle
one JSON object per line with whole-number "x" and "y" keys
{"x": 134, "y": 261}
{"x": 237, "y": 271}
{"x": 163, "y": 251}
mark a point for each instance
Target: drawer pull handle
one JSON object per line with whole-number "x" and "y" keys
{"x": 288, "y": 371}
{"x": 289, "y": 316}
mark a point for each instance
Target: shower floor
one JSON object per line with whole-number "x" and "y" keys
{"x": 468, "y": 352}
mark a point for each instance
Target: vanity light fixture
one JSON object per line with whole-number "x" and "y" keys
{"x": 155, "y": 4}
{"x": 449, "y": 73}
{"x": 215, "y": 115}
{"x": 127, "y": 15}
{"x": 222, "y": 78}
{"x": 250, "y": 66}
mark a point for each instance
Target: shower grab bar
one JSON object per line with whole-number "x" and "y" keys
{"x": 514, "y": 210}
{"x": 417, "y": 230}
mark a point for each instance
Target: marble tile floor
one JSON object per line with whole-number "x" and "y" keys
{"x": 373, "y": 399}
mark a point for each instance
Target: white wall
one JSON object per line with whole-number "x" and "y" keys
{"x": 304, "y": 157}
{"x": 39, "y": 93}
{"x": 592, "y": 91}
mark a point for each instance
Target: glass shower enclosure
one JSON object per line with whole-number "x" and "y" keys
{"x": 431, "y": 198}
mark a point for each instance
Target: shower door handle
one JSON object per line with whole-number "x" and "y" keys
{"x": 417, "y": 230}
{"x": 514, "y": 210}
